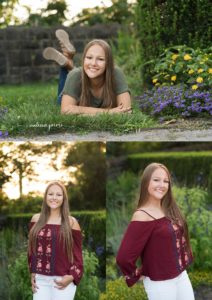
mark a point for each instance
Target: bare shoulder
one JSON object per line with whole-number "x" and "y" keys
{"x": 141, "y": 216}
{"x": 35, "y": 217}
{"x": 74, "y": 223}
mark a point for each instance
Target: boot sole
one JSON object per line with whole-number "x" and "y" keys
{"x": 50, "y": 53}
{"x": 63, "y": 37}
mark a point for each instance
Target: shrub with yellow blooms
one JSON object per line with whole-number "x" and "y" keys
{"x": 118, "y": 290}
{"x": 181, "y": 64}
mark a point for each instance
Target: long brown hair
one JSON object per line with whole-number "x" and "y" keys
{"x": 108, "y": 94}
{"x": 168, "y": 203}
{"x": 65, "y": 229}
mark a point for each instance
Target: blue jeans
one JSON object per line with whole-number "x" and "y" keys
{"x": 62, "y": 79}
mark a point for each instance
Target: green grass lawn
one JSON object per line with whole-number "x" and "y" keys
{"x": 32, "y": 110}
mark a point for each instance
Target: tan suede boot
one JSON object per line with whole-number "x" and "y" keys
{"x": 66, "y": 46}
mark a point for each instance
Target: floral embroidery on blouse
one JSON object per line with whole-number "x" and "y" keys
{"x": 181, "y": 246}
{"x": 44, "y": 252}
{"x": 76, "y": 270}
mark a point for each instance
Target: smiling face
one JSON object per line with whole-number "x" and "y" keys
{"x": 158, "y": 184}
{"x": 54, "y": 197}
{"x": 95, "y": 62}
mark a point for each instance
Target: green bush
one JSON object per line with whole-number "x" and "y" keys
{"x": 120, "y": 204}
{"x": 158, "y": 22}
{"x": 126, "y": 52}
{"x": 183, "y": 64}
{"x": 118, "y": 290}
{"x": 188, "y": 168}
{"x": 193, "y": 203}
{"x": 19, "y": 279}
{"x": 89, "y": 285}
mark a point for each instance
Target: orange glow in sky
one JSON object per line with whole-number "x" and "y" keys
{"x": 45, "y": 173}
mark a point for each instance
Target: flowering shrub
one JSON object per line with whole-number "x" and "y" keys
{"x": 118, "y": 290}
{"x": 182, "y": 64}
{"x": 176, "y": 101}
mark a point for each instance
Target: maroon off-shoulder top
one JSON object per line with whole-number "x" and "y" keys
{"x": 51, "y": 258}
{"x": 161, "y": 246}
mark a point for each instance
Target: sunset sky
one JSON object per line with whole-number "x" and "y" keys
{"x": 74, "y": 6}
{"x": 45, "y": 174}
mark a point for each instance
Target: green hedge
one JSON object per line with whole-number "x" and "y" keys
{"x": 117, "y": 289}
{"x": 188, "y": 168}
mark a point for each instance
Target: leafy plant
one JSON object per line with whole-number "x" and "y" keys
{"x": 19, "y": 279}
{"x": 193, "y": 203}
{"x": 126, "y": 50}
{"x": 89, "y": 285}
{"x": 180, "y": 64}
{"x": 120, "y": 204}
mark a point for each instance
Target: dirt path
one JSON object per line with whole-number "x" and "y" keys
{"x": 144, "y": 135}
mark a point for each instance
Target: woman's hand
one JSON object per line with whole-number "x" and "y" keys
{"x": 138, "y": 272}
{"x": 62, "y": 284}
{"x": 33, "y": 282}
{"x": 120, "y": 109}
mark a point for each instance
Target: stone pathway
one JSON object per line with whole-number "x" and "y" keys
{"x": 157, "y": 134}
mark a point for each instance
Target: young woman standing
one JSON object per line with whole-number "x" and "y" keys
{"x": 96, "y": 87}
{"x": 158, "y": 235}
{"x": 55, "y": 248}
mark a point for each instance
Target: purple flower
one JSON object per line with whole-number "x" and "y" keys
{"x": 175, "y": 100}
{"x": 99, "y": 250}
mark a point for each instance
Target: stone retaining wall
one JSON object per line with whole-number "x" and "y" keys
{"x": 21, "y": 50}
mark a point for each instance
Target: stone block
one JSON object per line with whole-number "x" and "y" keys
{"x": 2, "y": 34}
{"x": 31, "y": 75}
{"x": 38, "y": 59}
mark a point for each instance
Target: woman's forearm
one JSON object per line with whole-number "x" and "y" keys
{"x": 83, "y": 110}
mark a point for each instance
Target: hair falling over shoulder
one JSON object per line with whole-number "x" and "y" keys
{"x": 65, "y": 229}
{"x": 168, "y": 203}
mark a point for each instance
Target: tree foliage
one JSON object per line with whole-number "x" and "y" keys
{"x": 6, "y": 12}
{"x": 119, "y": 12}
{"x": 89, "y": 190}
{"x": 53, "y": 14}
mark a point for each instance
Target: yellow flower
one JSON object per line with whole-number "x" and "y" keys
{"x": 210, "y": 70}
{"x": 173, "y": 78}
{"x": 187, "y": 57}
{"x": 154, "y": 80}
{"x": 200, "y": 71}
{"x": 194, "y": 87}
{"x": 191, "y": 71}
{"x": 199, "y": 79}
{"x": 174, "y": 56}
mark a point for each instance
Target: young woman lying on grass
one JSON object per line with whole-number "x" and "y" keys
{"x": 96, "y": 87}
